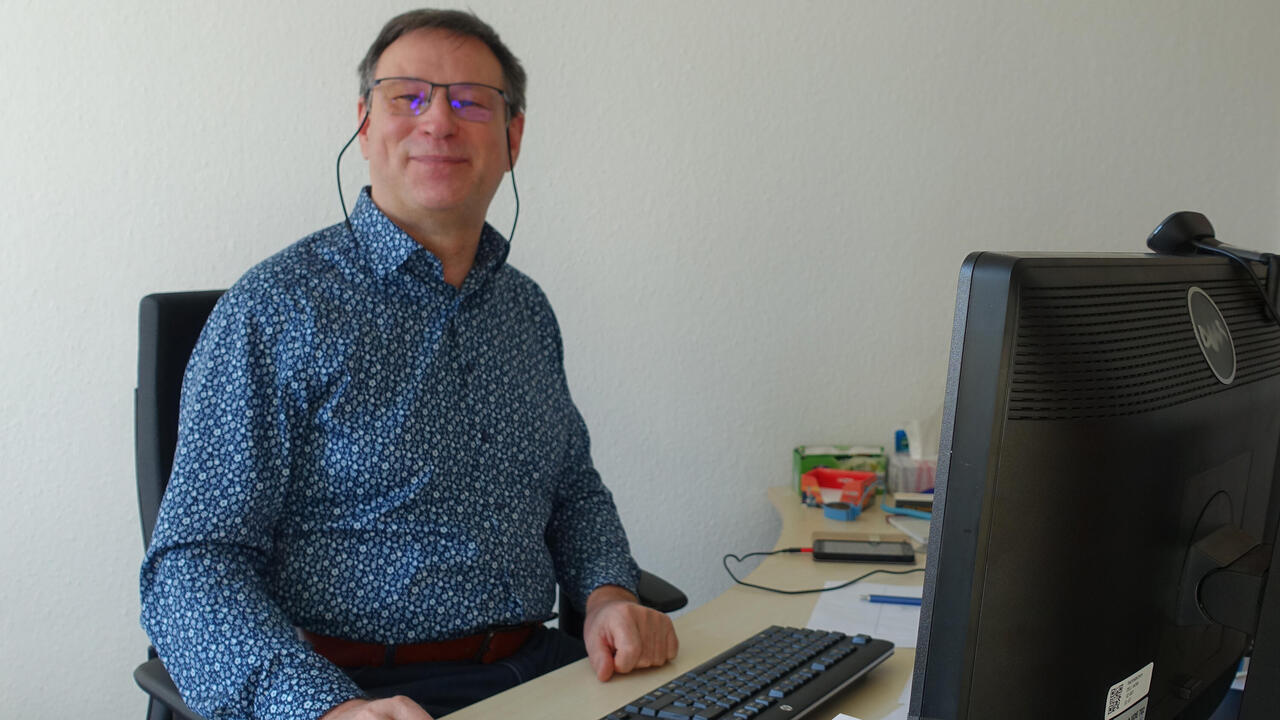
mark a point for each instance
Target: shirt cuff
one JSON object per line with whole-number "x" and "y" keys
{"x": 304, "y": 690}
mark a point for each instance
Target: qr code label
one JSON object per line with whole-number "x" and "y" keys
{"x": 1113, "y": 700}
{"x": 1122, "y": 696}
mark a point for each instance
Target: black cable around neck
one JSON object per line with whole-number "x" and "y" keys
{"x": 345, "y": 217}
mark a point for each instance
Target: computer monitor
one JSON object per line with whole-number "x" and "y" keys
{"x": 1095, "y": 473}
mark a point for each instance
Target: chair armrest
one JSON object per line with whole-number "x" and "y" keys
{"x": 652, "y": 591}
{"x": 659, "y": 594}
{"x": 154, "y": 679}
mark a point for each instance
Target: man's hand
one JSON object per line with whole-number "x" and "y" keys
{"x": 393, "y": 708}
{"x": 622, "y": 635}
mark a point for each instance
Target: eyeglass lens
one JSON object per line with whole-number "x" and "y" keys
{"x": 474, "y": 103}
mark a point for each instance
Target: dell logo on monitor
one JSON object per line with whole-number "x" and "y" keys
{"x": 1212, "y": 334}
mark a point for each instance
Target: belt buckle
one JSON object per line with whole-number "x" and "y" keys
{"x": 485, "y": 643}
{"x": 493, "y": 630}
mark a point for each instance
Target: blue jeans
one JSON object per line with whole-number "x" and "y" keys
{"x": 440, "y": 688}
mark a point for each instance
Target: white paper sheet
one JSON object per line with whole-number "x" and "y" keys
{"x": 845, "y": 610}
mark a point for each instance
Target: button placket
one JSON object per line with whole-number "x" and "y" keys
{"x": 467, "y": 367}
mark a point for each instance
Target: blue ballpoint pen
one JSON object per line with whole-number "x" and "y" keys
{"x": 892, "y": 599}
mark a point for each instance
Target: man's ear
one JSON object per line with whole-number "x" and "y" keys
{"x": 515, "y": 132}
{"x": 362, "y": 108}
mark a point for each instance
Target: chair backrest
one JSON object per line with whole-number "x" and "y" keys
{"x": 168, "y": 326}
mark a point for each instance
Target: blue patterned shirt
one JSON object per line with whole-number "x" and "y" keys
{"x": 368, "y": 452}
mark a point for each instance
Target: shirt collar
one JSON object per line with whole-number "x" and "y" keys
{"x": 387, "y": 247}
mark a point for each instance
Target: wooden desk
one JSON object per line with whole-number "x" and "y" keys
{"x": 573, "y": 691}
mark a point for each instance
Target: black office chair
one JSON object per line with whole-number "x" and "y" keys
{"x": 169, "y": 325}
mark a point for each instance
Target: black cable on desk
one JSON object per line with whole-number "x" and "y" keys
{"x": 725, "y": 561}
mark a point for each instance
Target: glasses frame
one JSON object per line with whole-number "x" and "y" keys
{"x": 431, "y": 95}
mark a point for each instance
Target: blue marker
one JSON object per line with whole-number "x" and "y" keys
{"x": 892, "y": 599}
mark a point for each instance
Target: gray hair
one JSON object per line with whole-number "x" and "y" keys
{"x": 461, "y": 23}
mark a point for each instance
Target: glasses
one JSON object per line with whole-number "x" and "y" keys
{"x": 469, "y": 101}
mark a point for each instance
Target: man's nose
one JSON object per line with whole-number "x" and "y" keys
{"x": 438, "y": 117}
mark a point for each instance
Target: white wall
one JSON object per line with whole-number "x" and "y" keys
{"x": 749, "y": 216}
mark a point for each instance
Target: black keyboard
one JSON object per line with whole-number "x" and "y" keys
{"x": 782, "y": 672}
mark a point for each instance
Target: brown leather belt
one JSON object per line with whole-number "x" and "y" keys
{"x": 486, "y": 647}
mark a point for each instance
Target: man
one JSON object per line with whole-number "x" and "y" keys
{"x": 377, "y": 447}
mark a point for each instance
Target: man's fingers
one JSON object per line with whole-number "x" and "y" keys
{"x": 602, "y": 663}
{"x": 657, "y": 637}
{"x": 654, "y": 636}
{"x": 599, "y": 654}
{"x": 628, "y": 647}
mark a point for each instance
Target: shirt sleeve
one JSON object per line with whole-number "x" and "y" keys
{"x": 585, "y": 535}
{"x": 206, "y": 604}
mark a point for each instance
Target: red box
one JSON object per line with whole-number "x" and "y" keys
{"x": 857, "y": 487}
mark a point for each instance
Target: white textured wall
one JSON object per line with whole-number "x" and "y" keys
{"x": 749, "y": 216}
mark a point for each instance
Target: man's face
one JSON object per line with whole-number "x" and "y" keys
{"x": 435, "y": 166}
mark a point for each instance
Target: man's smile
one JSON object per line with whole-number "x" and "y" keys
{"x": 438, "y": 159}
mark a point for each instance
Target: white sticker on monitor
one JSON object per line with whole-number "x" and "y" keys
{"x": 1124, "y": 694}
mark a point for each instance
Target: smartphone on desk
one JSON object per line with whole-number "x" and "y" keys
{"x": 868, "y": 551}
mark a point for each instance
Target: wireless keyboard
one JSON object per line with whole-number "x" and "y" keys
{"x": 779, "y": 673}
